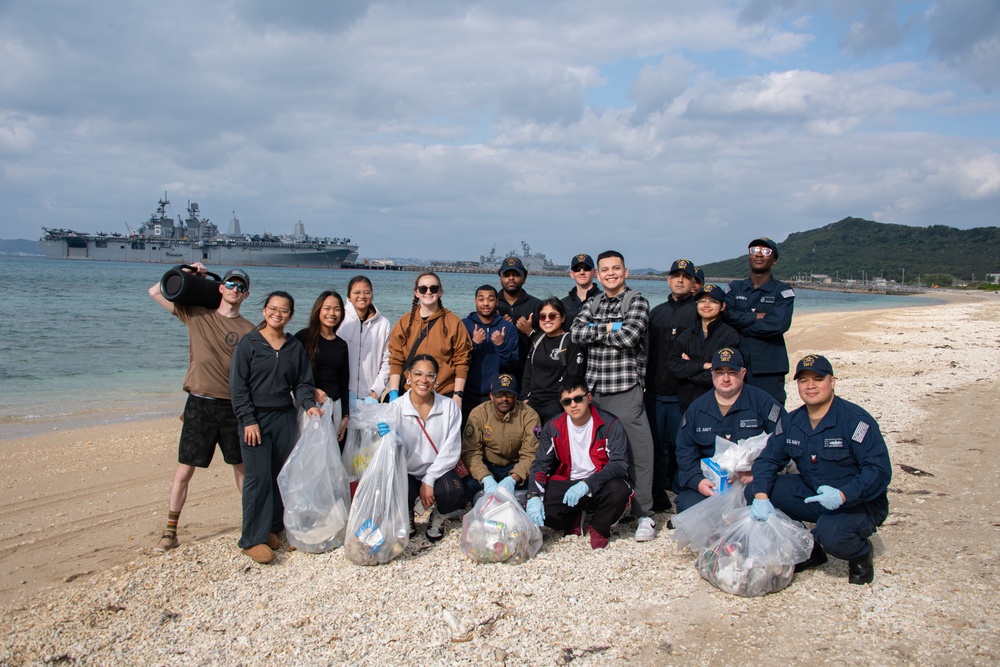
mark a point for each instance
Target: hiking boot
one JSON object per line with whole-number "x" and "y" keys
{"x": 167, "y": 542}
{"x": 861, "y": 570}
{"x": 597, "y": 541}
{"x": 260, "y": 553}
{"x": 273, "y": 542}
{"x": 646, "y": 529}
{"x": 816, "y": 558}
{"x": 435, "y": 527}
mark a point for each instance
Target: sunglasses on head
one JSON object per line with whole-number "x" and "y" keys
{"x": 232, "y": 284}
{"x": 424, "y": 289}
{"x": 569, "y": 400}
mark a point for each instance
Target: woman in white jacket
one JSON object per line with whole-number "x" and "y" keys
{"x": 429, "y": 427}
{"x": 366, "y": 333}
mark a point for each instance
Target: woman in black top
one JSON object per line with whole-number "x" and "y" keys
{"x": 690, "y": 359}
{"x": 269, "y": 377}
{"x": 552, "y": 356}
{"x": 328, "y": 355}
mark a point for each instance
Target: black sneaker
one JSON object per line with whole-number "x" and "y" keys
{"x": 861, "y": 570}
{"x": 816, "y": 558}
{"x": 435, "y": 527}
{"x": 413, "y": 528}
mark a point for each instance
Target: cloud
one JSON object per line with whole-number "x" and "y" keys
{"x": 966, "y": 35}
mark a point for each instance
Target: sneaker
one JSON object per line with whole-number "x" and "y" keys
{"x": 435, "y": 527}
{"x": 413, "y": 527}
{"x": 260, "y": 553}
{"x": 597, "y": 541}
{"x": 646, "y": 529}
{"x": 273, "y": 542}
{"x": 167, "y": 542}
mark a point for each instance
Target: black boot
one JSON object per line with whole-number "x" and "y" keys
{"x": 861, "y": 570}
{"x": 413, "y": 527}
{"x": 816, "y": 558}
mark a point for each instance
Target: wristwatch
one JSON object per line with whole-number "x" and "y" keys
{"x": 460, "y": 394}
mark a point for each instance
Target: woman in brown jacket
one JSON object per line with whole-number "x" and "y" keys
{"x": 432, "y": 329}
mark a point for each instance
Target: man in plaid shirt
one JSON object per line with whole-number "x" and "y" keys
{"x": 616, "y": 368}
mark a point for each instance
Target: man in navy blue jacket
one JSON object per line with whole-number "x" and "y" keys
{"x": 843, "y": 472}
{"x": 494, "y": 348}
{"x": 760, "y": 309}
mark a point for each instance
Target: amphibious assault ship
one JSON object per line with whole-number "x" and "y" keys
{"x": 196, "y": 239}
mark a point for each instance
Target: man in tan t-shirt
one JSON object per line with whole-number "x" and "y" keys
{"x": 208, "y": 414}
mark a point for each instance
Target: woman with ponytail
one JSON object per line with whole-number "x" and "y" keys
{"x": 430, "y": 328}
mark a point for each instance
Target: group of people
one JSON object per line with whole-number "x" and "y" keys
{"x": 588, "y": 407}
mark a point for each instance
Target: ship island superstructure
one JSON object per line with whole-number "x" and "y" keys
{"x": 195, "y": 239}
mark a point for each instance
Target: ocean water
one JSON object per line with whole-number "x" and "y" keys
{"x": 84, "y": 344}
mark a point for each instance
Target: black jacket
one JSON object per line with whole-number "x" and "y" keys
{"x": 693, "y": 379}
{"x": 666, "y": 322}
{"x": 264, "y": 379}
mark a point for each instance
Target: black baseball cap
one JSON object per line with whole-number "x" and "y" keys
{"x": 513, "y": 264}
{"x": 586, "y": 260}
{"x": 816, "y": 363}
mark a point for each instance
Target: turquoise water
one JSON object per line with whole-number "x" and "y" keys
{"x": 84, "y": 344}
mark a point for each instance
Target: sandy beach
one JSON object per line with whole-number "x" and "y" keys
{"x": 81, "y": 509}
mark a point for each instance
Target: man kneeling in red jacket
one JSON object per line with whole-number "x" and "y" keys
{"x": 581, "y": 466}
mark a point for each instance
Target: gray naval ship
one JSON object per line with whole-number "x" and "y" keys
{"x": 196, "y": 239}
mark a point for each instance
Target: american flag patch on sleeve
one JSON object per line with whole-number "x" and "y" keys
{"x": 775, "y": 412}
{"x": 778, "y": 430}
{"x": 860, "y": 432}
{"x": 788, "y": 293}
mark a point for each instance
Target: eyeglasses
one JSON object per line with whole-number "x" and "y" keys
{"x": 424, "y": 289}
{"x": 570, "y": 400}
{"x": 708, "y": 300}
{"x": 760, "y": 250}
{"x": 284, "y": 312}
{"x": 505, "y": 394}
{"x": 239, "y": 287}
{"x": 545, "y": 317}
{"x": 416, "y": 375}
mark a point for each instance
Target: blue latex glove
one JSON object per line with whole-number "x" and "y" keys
{"x": 508, "y": 483}
{"x": 592, "y": 324}
{"x": 393, "y": 395}
{"x": 574, "y": 493}
{"x": 371, "y": 400}
{"x": 616, "y": 326}
{"x": 489, "y": 485}
{"x": 536, "y": 510}
{"x": 383, "y": 429}
{"x": 761, "y": 509}
{"x": 828, "y": 497}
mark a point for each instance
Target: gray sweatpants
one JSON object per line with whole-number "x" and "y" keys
{"x": 628, "y": 407}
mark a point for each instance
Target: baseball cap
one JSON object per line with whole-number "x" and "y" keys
{"x": 582, "y": 258}
{"x": 729, "y": 358}
{"x": 765, "y": 242}
{"x": 239, "y": 274}
{"x": 504, "y": 383}
{"x": 713, "y": 291}
{"x": 682, "y": 266}
{"x": 818, "y": 364}
{"x": 699, "y": 275}
{"x": 513, "y": 263}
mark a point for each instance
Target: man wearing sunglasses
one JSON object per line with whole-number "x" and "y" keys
{"x": 581, "y": 466}
{"x": 760, "y": 309}
{"x": 208, "y": 414}
{"x": 581, "y": 270}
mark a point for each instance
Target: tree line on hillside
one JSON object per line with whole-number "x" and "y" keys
{"x": 858, "y": 249}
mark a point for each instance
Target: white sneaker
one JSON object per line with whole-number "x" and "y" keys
{"x": 646, "y": 529}
{"x": 435, "y": 527}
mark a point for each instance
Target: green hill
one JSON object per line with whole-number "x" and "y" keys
{"x": 853, "y": 248}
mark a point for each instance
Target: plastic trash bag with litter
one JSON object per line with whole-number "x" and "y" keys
{"x": 739, "y": 456}
{"x": 378, "y": 528}
{"x": 753, "y": 558}
{"x": 314, "y": 488}
{"x": 363, "y": 438}
{"x": 497, "y": 530}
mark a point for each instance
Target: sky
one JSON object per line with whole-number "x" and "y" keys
{"x": 439, "y": 129}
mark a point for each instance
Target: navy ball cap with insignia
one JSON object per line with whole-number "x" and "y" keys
{"x": 816, "y": 363}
